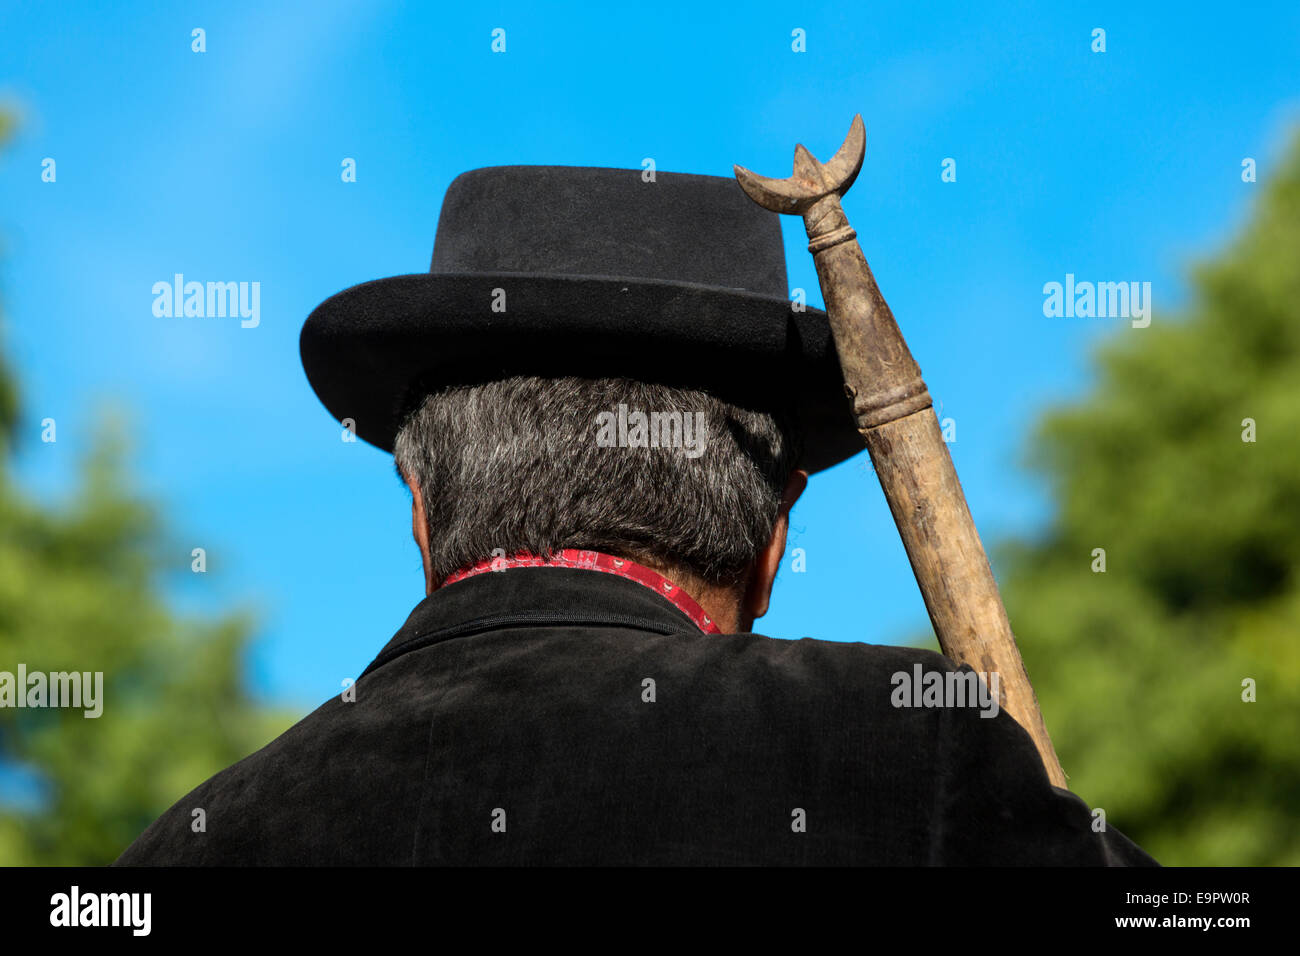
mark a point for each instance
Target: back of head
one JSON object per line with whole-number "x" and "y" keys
{"x": 671, "y": 477}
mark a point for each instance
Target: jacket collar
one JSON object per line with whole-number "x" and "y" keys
{"x": 536, "y": 596}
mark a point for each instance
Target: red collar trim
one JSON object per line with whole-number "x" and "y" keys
{"x": 597, "y": 561}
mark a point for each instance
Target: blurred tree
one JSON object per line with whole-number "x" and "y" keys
{"x": 1140, "y": 669}
{"x": 79, "y": 591}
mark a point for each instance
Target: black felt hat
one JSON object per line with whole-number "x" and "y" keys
{"x": 563, "y": 270}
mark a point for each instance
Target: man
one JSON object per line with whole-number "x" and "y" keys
{"x": 604, "y": 408}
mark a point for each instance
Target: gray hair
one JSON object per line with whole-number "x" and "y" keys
{"x": 520, "y": 465}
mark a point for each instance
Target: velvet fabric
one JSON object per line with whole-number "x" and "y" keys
{"x": 509, "y": 722}
{"x": 590, "y": 272}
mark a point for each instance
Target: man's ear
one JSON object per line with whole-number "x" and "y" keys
{"x": 759, "y": 591}
{"x": 420, "y": 531}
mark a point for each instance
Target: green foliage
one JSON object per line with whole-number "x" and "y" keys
{"x": 1140, "y": 669}
{"x": 80, "y": 591}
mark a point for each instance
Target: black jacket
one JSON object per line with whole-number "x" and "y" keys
{"x": 510, "y": 721}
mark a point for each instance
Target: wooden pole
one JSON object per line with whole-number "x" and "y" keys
{"x": 896, "y": 419}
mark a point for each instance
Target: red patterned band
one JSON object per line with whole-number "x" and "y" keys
{"x": 596, "y": 561}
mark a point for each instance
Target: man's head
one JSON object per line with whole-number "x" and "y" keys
{"x": 542, "y": 464}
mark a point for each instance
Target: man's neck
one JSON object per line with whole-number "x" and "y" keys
{"x": 722, "y": 604}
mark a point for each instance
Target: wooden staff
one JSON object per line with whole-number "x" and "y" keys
{"x": 896, "y": 418}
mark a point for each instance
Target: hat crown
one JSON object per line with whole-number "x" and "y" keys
{"x": 609, "y": 223}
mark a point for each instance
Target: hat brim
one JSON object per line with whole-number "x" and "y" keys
{"x": 370, "y": 348}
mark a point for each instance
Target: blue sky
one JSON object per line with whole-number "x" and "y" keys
{"x": 224, "y": 165}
